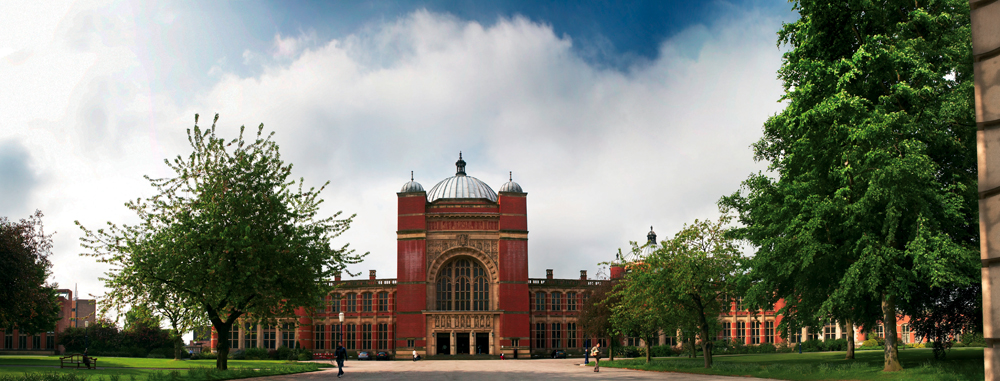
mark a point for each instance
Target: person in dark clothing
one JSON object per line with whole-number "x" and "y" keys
{"x": 341, "y": 354}
{"x": 86, "y": 359}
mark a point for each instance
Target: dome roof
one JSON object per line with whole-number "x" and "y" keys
{"x": 511, "y": 186}
{"x": 411, "y": 186}
{"x": 461, "y": 186}
{"x": 644, "y": 251}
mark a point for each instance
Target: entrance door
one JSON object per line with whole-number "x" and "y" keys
{"x": 462, "y": 343}
{"x": 442, "y": 344}
{"x": 482, "y": 343}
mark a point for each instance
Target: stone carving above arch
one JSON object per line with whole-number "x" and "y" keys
{"x": 488, "y": 263}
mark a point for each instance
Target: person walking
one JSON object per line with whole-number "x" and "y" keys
{"x": 596, "y": 353}
{"x": 414, "y": 355}
{"x": 341, "y": 355}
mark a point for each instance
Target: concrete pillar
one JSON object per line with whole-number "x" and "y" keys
{"x": 451, "y": 347}
{"x": 986, "y": 65}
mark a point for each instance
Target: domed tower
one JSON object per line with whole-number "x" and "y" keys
{"x": 462, "y": 269}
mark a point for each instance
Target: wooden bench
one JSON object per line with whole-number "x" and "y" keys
{"x": 76, "y": 361}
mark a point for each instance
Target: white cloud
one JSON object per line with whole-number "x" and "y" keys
{"x": 603, "y": 154}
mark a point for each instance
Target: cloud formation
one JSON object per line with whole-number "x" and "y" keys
{"x": 602, "y": 153}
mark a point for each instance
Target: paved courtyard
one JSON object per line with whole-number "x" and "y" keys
{"x": 483, "y": 370}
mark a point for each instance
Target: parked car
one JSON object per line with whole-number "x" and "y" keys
{"x": 558, "y": 354}
{"x": 382, "y": 355}
{"x": 364, "y": 356}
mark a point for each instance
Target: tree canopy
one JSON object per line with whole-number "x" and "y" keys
{"x": 229, "y": 236}
{"x": 872, "y": 190}
{"x": 29, "y": 303}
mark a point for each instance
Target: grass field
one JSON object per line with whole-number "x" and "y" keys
{"x": 918, "y": 364}
{"x": 29, "y": 368}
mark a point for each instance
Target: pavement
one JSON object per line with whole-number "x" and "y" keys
{"x": 485, "y": 370}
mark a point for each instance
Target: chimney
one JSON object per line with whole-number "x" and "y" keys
{"x": 336, "y": 277}
{"x": 583, "y": 274}
{"x": 371, "y": 274}
{"x": 548, "y": 274}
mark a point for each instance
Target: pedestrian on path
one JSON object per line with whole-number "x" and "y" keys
{"x": 414, "y": 355}
{"x": 596, "y": 352}
{"x": 341, "y": 355}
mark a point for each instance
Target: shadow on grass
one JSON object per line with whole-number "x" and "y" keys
{"x": 132, "y": 374}
{"x": 918, "y": 364}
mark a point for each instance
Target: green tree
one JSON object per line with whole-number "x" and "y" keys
{"x": 639, "y": 312}
{"x": 872, "y": 189}
{"x": 180, "y": 316}
{"x": 691, "y": 275}
{"x": 228, "y": 236}
{"x": 595, "y": 314}
{"x": 28, "y": 303}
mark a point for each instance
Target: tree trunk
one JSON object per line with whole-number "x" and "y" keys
{"x": 649, "y": 354}
{"x": 222, "y": 345}
{"x": 694, "y": 349}
{"x": 706, "y": 345}
{"x": 889, "y": 327}
{"x": 178, "y": 345}
{"x": 611, "y": 349}
{"x": 850, "y": 340}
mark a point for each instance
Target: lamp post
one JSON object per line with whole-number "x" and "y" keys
{"x": 341, "y": 317}
{"x": 86, "y": 335}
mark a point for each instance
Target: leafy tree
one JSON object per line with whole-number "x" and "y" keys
{"x": 943, "y": 313}
{"x": 691, "y": 275}
{"x": 228, "y": 236}
{"x": 595, "y": 314}
{"x": 639, "y": 312}
{"x": 873, "y": 183}
{"x": 141, "y": 316}
{"x": 180, "y": 316}
{"x": 29, "y": 303}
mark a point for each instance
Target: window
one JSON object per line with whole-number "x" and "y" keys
{"x": 570, "y": 335}
{"x": 288, "y": 335}
{"x": 727, "y": 330}
{"x": 250, "y": 336}
{"x": 410, "y": 343}
{"x": 319, "y": 341}
{"x": 350, "y": 304}
{"x": 539, "y": 301}
{"x": 366, "y": 302}
{"x": 383, "y": 301}
{"x": 741, "y": 329}
{"x": 571, "y": 301}
{"x": 234, "y": 336}
{"x": 905, "y": 334}
{"x": 462, "y": 285}
{"x": 769, "y": 332}
{"x": 335, "y": 303}
{"x": 829, "y": 331}
{"x": 22, "y": 341}
{"x": 755, "y": 332}
{"x": 515, "y": 342}
{"x": 881, "y": 331}
{"x": 366, "y": 336}
{"x": 672, "y": 340}
{"x": 556, "y": 335}
{"x": 36, "y": 342}
{"x": 270, "y": 337}
{"x": 50, "y": 340}
{"x": 539, "y": 335}
{"x": 350, "y": 335}
{"x": 383, "y": 336}
{"x": 556, "y": 301}
{"x": 739, "y": 304}
{"x": 8, "y": 339}
{"x": 632, "y": 341}
{"x": 811, "y": 333}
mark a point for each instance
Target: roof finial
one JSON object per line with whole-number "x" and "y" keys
{"x": 511, "y": 176}
{"x": 411, "y": 175}
{"x": 460, "y": 164}
{"x": 651, "y": 237}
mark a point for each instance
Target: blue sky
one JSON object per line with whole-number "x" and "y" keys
{"x": 612, "y": 117}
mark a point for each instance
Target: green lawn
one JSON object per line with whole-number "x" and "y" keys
{"x": 918, "y": 364}
{"x": 131, "y": 369}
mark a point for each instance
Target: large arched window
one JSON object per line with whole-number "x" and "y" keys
{"x": 462, "y": 285}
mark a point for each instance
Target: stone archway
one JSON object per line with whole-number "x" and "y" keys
{"x": 480, "y": 258}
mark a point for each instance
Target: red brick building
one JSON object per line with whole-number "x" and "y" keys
{"x": 462, "y": 285}
{"x": 72, "y": 313}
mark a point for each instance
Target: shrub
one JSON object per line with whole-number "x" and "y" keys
{"x": 836, "y": 345}
{"x": 661, "y": 350}
{"x": 204, "y": 356}
{"x": 238, "y": 354}
{"x": 766, "y": 348}
{"x": 870, "y": 343}
{"x": 630, "y": 351}
{"x": 272, "y": 354}
{"x": 958, "y": 344}
{"x": 256, "y": 354}
{"x": 283, "y": 353}
{"x": 813, "y": 345}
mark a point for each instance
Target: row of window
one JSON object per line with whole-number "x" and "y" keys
{"x": 556, "y": 302}
{"x": 325, "y": 336}
{"x": 49, "y": 340}
{"x": 758, "y": 333}
{"x": 551, "y": 335}
{"x": 349, "y": 302}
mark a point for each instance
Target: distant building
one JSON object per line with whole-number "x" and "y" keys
{"x": 72, "y": 313}
{"x": 462, "y": 286}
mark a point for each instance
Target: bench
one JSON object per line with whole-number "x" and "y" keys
{"x": 76, "y": 361}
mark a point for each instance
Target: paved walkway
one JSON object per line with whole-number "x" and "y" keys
{"x": 484, "y": 370}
